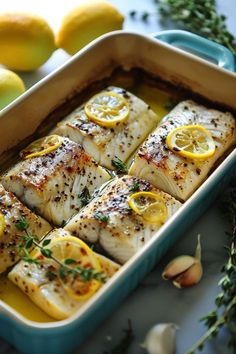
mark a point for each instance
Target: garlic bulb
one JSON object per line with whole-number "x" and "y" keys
{"x": 160, "y": 339}
{"x": 185, "y": 271}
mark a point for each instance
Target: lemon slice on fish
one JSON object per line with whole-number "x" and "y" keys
{"x": 107, "y": 109}
{"x": 2, "y": 224}
{"x": 42, "y": 146}
{"x": 151, "y": 206}
{"x": 191, "y": 141}
{"x": 75, "y": 254}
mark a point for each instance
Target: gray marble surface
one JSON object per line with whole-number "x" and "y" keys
{"x": 155, "y": 300}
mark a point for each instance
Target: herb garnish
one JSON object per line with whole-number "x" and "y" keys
{"x": 100, "y": 216}
{"x": 63, "y": 223}
{"x": 135, "y": 187}
{"x": 84, "y": 196}
{"x": 22, "y": 224}
{"x": 64, "y": 269}
{"x": 200, "y": 17}
{"x": 224, "y": 314}
{"x": 125, "y": 343}
{"x": 119, "y": 165}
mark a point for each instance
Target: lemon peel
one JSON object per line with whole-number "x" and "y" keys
{"x": 42, "y": 146}
{"x": 2, "y": 224}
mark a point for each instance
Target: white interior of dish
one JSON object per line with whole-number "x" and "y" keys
{"x": 98, "y": 60}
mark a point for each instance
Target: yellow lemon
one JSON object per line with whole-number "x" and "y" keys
{"x": 11, "y": 86}
{"x": 151, "y": 206}
{"x": 192, "y": 141}
{"x": 26, "y": 41}
{"x": 2, "y": 224}
{"x": 107, "y": 109}
{"x": 87, "y": 22}
{"x": 80, "y": 266}
{"x": 42, "y": 146}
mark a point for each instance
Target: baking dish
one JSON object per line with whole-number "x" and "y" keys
{"x": 97, "y": 60}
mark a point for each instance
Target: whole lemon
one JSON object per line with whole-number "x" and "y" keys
{"x": 11, "y": 86}
{"x": 87, "y": 22}
{"x": 26, "y": 41}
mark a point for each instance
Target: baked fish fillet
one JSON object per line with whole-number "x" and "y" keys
{"x": 171, "y": 172}
{"x": 49, "y": 294}
{"x": 106, "y": 143}
{"x": 124, "y": 232}
{"x": 13, "y": 211}
{"x": 52, "y": 184}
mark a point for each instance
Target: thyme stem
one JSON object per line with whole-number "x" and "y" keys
{"x": 226, "y": 299}
{"x": 86, "y": 274}
{"x": 212, "y": 330}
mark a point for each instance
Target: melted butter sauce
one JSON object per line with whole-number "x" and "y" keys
{"x": 14, "y": 297}
{"x": 158, "y": 100}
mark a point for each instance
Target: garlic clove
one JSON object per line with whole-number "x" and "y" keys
{"x": 185, "y": 271}
{"x": 190, "y": 277}
{"x": 161, "y": 339}
{"x": 177, "y": 266}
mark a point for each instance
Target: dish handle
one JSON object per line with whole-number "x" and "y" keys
{"x": 199, "y": 46}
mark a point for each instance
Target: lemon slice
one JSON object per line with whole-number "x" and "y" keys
{"x": 107, "y": 109}
{"x": 72, "y": 248}
{"x": 150, "y": 206}
{"x": 42, "y": 146}
{"x": 192, "y": 141}
{"x": 2, "y": 224}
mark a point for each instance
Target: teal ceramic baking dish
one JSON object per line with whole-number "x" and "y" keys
{"x": 161, "y": 54}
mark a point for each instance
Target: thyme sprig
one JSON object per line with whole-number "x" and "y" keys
{"x": 224, "y": 314}
{"x": 200, "y": 17}
{"x": 99, "y": 215}
{"x": 135, "y": 187}
{"x": 119, "y": 165}
{"x": 84, "y": 196}
{"x": 64, "y": 268}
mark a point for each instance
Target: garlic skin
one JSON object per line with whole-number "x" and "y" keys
{"x": 161, "y": 339}
{"x": 185, "y": 271}
{"x": 190, "y": 277}
{"x": 177, "y": 266}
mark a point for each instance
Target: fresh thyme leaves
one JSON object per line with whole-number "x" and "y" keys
{"x": 125, "y": 343}
{"x": 64, "y": 268}
{"x": 84, "y": 196}
{"x": 100, "y": 216}
{"x": 135, "y": 187}
{"x": 46, "y": 242}
{"x": 119, "y": 165}
{"x": 22, "y": 224}
{"x": 200, "y": 17}
{"x": 224, "y": 314}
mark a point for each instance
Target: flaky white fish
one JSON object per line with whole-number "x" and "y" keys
{"x": 47, "y": 291}
{"x": 109, "y": 220}
{"x": 106, "y": 143}
{"x": 52, "y": 184}
{"x": 12, "y": 238}
{"x": 175, "y": 174}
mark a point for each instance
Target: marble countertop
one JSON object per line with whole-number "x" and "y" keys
{"x": 154, "y": 301}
